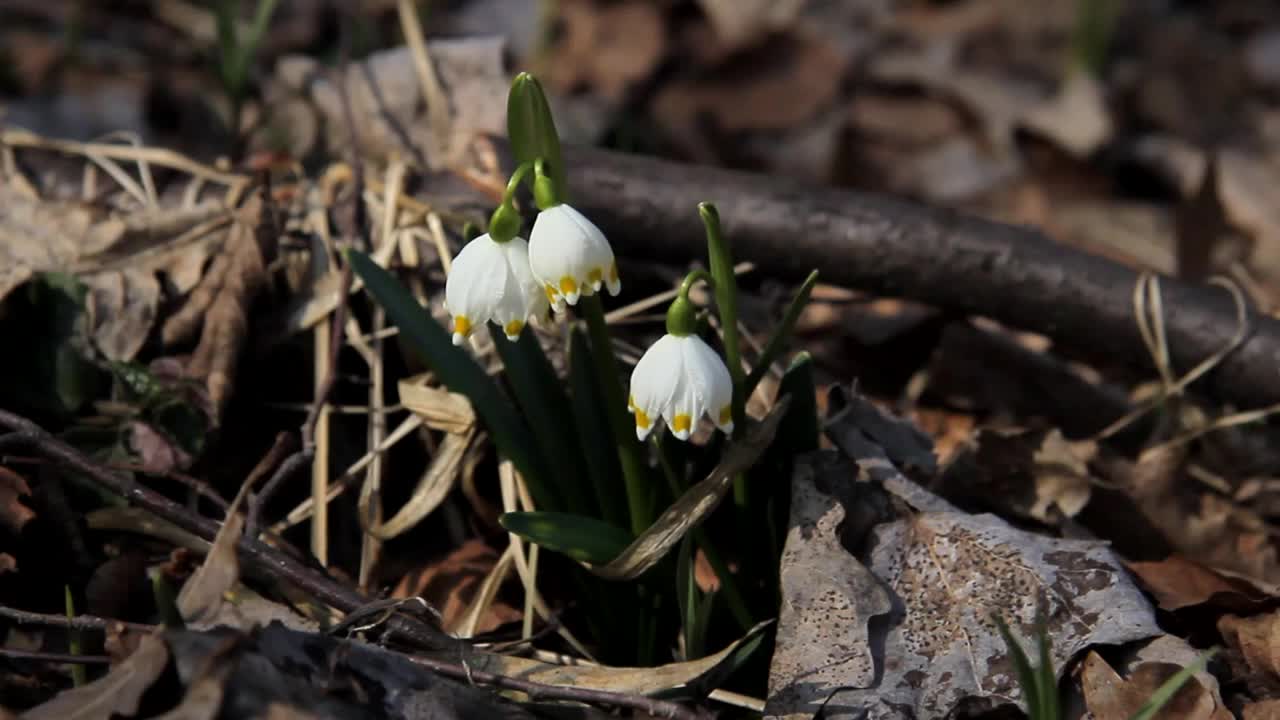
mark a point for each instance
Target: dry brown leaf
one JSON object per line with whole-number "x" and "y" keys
{"x": 608, "y": 47}
{"x": 201, "y": 597}
{"x": 1178, "y": 582}
{"x": 437, "y": 481}
{"x": 1262, "y": 710}
{"x": 219, "y": 306}
{"x": 121, "y": 308}
{"x": 450, "y": 584}
{"x": 1112, "y": 697}
{"x": 1254, "y": 644}
{"x": 438, "y": 408}
{"x": 117, "y": 693}
{"x": 739, "y": 22}
{"x": 1076, "y": 118}
{"x": 1033, "y": 473}
{"x": 13, "y": 514}
{"x": 157, "y": 454}
{"x": 7, "y": 563}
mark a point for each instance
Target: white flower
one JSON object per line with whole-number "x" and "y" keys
{"x": 570, "y": 257}
{"x": 491, "y": 281}
{"x": 680, "y": 378}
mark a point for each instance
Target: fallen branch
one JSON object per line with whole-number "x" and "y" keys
{"x": 79, "y": 622}
{"x": 889, "y": 246}
{"x": 261, "y": 557}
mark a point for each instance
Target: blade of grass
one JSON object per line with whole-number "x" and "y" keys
{"x": 1049, "y": 703}
{"x": 78, "y": 675}
{"x": 780, "y": 335}
{"x": 593, "y": 431}
{"x": 459, "y": 372}
{"x": 541, "y": 397}
{"x": 634, "y": 472}
{"x": 582, "y": 538}
{"x": 1170, "y": 687}
{"x": 687, "y": 597}
{"x": 1022, "y": 666}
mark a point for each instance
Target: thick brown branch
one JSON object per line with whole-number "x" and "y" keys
{"x": 894, "y": 247}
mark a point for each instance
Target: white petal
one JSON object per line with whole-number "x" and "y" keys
{"x": 535, "y": 300}
{"x": 653, "y": 382}
{"x": 711, "y": 380}
{"x": 564, "y": 245}
{"x": 477, "y": 282}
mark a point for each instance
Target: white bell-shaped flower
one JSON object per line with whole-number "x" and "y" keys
{"x": 679, "y": 379}
{"x": 491, "y": 280}
{"x": 570, "y": 257}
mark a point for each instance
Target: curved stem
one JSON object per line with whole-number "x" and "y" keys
{"x": 514, "y": 183}
{"x": 692, "y": 278}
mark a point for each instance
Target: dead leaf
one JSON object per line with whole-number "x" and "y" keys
{"x": 203, "y": 699}
{"x": 116, "y": 693}
{"x": 946, "y": 573}
{"x": 7, "y": 563}
{"x": 121, "y": 308}
{"x": 201, "y": 596}
{"x": 739, "y": 22}
{"x": 219, "y": 306}
{"x": 157, "y": 454}
{"x": 704, "y": 673}
{"x": 696, "y": 504}
{"x": 1112, "y": 697}
{"x": 1033, "y": 473}
{"x": 828, "y": 596}
{"x": 450, "y": 585}
{"x": 1179, "y": 582}
{"x": 13, "y": 514}
{"x": 1076, "y": 119}
{"x": 1254, "y": 656}
{"x": 608, "y": 48}
{"x": 438, "y": 408}
{"x": 433, "y": 487}
{"x": 1262, "y": 710}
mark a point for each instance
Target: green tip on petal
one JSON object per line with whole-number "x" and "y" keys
{"x": 504, "y": 224}
{"x": 682, "y": 317}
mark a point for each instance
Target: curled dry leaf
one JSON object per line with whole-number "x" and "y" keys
{"x": 946, "y": 572}
{"x": 201, "y": 597}
{"x": 450, "y": 585}
{"x": 13, "y": 514}
{"x": 1110, "y": 696}
{"x": 1262, "y": 710}
{"x": 219, "y": 306}
{"x": 438, "y": 408}
{"x": 1254, "y": 650}
{"x": 699, "y": 675}
{"x": 1032, "y": 473}
{"x": 1178, "y": 582}
{"x": 696, "y": 504}
{"x": 117, "y": 693}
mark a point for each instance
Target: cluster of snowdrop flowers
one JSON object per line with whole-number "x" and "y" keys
{"x": 680, "y": 378}
{"x": 500, "y": 277}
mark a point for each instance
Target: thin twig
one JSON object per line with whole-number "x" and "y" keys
{"x": 79, "y": 622}
{"x": 274, "y": 460}
{"x": 55, "y": 657}
{"x": 541, "y": 691}
{"x": 257, "y": 555}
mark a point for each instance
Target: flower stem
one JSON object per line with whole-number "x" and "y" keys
{"x": 633, "y": 469}
{"x": 726, "y": 290}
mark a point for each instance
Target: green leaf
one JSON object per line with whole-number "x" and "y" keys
{"x": 780, "y": 335}
{"x": 1027, "y": 677}
{"x": 541, "y": 396}
{"x": 1170, "y": 687}
{"x": 459, "y": 372}
{"x": 687, "y": 595}
{"x": 582, "y": 538}
{"x": 1049, "y": 705}
{"x": 74, "y": 644}
{"x": 532, "y": 129}
{"x": 593, "y": 431}
{"x": 49, "y": 373}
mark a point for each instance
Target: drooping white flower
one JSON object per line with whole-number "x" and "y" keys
{"x": 570, "y": 257}
{"x": 679, "y": 379}
{"x": 491, "y": 280}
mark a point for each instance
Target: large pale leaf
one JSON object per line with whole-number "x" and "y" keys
{"x": 944, "y": 573}
{"x": 117, "y": 693}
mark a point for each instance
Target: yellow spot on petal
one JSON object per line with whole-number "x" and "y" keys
{"x": 631, "y": 402}
{"x": 513, "y": 328}
{"x": 681, "y": 422}
{"x": 461, "y": 325}
{"x": 551, "y": 293}
{"x": 726, "y": 414}
{"x": 642, "y": 420}
{"x": 595, "y": 277}
{"x": 613, "y": 273}
{"x": 568, "y": 285}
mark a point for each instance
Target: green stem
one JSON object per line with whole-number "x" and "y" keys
{"x": 737, "y": 604}
{"x": 78, "y": 674}
{"x": 726, "y": 289}
{"x": 514, "y": 183}
{"x": 780, "y": 335}
{"x": 615, "y": 400}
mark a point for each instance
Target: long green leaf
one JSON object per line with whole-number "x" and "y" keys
{"x": 459, "y": 372}
{"x": 1027, "y": 677}
{"x": 593, "y": 431}
{"x": 580, "y": 537}
{"x": 532, "y": 129}
{"x": 1050, "y": 706}
{"x": 1170, "y": 687}
{"x": 780, "y": 335}
{"x": 687, "y": 597}
{"x": 541, "y": 396}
